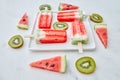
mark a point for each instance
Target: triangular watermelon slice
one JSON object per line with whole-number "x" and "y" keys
{"x": 23, "y": 23}
{"x": 66, "y": 6}
{"x": 101, "y": 30}
{"x": 57, "y": 64}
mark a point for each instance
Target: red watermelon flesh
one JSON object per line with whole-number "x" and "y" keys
{"x": 57, "y": 64}
{"x": 51, "y": 36}
{"x": 101, "y": 31}
{"x": 66, "y": 6}
{"x": 23, "y": 23}
{"x": 45, "y": 20}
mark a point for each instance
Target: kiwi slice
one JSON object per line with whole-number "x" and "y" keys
{"x": 16, "y": 41}
{"x": 45, "y": 7}
{"x": 60, "y": 26}
{"x": 96, "y": 18}
{"x": 86, "y": 65}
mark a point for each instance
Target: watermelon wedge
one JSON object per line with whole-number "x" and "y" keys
{"x": 56, "y": 64}
{"x": 66, "y": 6}
{"x": 101, "y": 30}
{"x": 23, "y": 23}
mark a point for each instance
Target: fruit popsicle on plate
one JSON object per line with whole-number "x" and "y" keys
{"x": 79, "y": 34}
{"x": 51, "y": 36}
{"x": 45, "y": 19}
{"x": 70, "y": 16}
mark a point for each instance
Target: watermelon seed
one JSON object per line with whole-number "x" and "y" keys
{"x": 69, "y": 5}
{"x": 47, "y": 64}
{"x": 24, "y": 20}
{"x": 52, "y": 65}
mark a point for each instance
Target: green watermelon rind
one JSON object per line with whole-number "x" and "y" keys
{"x": 22, "y": 26}
{"x": 80, "y": 15}
{"x": 60, "y": 7}
{"x": 75, "y": 42}
{"x": 96, "y": 26}
{"x": 46, "y": 11}
{"x": 63, "y": 64}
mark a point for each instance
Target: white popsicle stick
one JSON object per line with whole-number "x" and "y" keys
{"x": 28, "y": 36}
{"x": 80, "y": 49}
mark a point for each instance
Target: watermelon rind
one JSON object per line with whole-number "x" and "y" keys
{"x": 79, "y": 15}
{"x": 46, "y": 11}
{"x": 101, "y": 34}
{"x": 40, "y": 34}
{"x": 100, "y": 26}
{"x": 83, "y": 39}
{"x": 63, "y": 64}
{"x": 22, "y": 26}
{"x": 60, "y": 7}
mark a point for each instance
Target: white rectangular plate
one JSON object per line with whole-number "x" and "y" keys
{"x": 62, "y": 46}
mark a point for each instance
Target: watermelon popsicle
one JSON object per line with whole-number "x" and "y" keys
{"x": 51, "y": 36}
{"x": 70, "y": 16}
{"x": 79, "y": 35}
{"x": 45, "y": 19}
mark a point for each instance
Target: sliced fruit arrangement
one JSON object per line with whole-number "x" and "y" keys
{"x": 51, "y": 36}
{"x": 16, "y": 41}
{"x": 60, "y": 26}
{"x": 85, "y": 65}
{"x": 101, "y": 30}
{"x": 57, "y": 64}
{"x": 45, "y": 7}
{"x": 70, "y": 16}
{"x": 23, "y": 23}
{"x": 96, "y": 18}
{"x": 66, "y": 6}
{"x": 45, "y": 19}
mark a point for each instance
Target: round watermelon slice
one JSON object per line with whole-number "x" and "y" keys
{"x": 56, "y": 64}
{"x": 23, "y": 23}
{"x": 66, "y": 6}
{"x": 101, "y": 30}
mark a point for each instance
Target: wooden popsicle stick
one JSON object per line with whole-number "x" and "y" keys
{"x": 80, "y": 49}
{"x": 28, "y": 36}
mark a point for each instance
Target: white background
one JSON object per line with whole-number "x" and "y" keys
{"x": 14, "y": 63}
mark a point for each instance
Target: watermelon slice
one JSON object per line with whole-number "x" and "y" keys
{"x": 101, "y": 30}
{"x": 56, "y": 64}
{"x": 23, "y": 23}
{"x": 66, "y": 6}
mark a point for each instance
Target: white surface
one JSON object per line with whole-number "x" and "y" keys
{"x": 14, "y": 63}
{"x": 61, "y": 46}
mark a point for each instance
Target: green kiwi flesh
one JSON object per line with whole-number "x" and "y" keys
{"x": 86, "y": 65}
{"x": 96, "y": 18}
{"x": 60, "y": 26}
{"x": 44, "y": 7}
{"x": 16, "y": 41}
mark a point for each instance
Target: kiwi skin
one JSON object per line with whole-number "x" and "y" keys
{"x": 56, "y": 26}
{"x": 99, "y": 20}
{"x": 12, "y": 45}
{"x": 41, "y": 7}
{"x": 86, "y": 58}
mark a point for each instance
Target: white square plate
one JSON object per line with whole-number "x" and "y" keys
{"x": 61, "y": 46}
